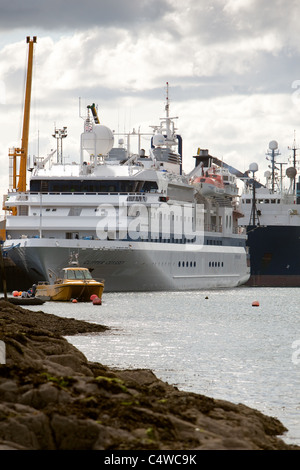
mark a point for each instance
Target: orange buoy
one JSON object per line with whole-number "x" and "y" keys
{"x": 255, "y": 303}
{"x": 93, "y": 296}
{"x": 15, "y": 293}
{"x": 74, "y": 301}
{"x": 97, "y": 301}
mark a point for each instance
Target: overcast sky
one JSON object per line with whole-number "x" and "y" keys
{"x": 233, "y": 67}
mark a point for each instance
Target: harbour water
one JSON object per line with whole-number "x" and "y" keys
{"x": 213, "y": 343}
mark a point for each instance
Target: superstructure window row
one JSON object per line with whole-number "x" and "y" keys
{"x": 215, "y": 264}
{"x": 261, "y": 201}
{"x": 186, "y": 264}
{"x": 93, "y": 186}
{"x": 214, "y": 242}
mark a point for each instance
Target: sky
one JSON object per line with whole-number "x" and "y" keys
{"x": 233, "y": 68}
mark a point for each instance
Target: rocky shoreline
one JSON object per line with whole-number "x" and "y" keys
{"x": 53, "y": 398}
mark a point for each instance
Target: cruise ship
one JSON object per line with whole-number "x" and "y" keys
{"x": 131, "y": 216}
{"x": 271, "y": 216}
{"x": 135, "y": 220}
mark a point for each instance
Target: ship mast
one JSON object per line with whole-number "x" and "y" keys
{"x": 294, "y": 148}
{"x": 273, "y": 152}
{"x": 22, "y": 152}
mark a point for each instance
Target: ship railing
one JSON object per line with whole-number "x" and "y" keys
{"x": 212, "y": 228}
{"x": 219, "y": 228}
{"x": 239, "y": 230}
{"x": 24, "y": 196}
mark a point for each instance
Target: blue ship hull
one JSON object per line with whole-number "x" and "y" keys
{"x": 274, "y": 256}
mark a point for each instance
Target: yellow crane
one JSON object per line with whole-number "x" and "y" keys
{"x": 19, "y": 179}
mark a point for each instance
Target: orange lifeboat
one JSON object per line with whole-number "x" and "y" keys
{"x": 210, "y": 184}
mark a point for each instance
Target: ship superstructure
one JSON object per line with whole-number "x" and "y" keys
{"x": 133, "y": 218}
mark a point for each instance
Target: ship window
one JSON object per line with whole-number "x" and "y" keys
{"x": 79, "y": 275}
{"x": 75, "y": 211}
{"x": 248, "y": 201}
{"x": 86, "y": 186}
{"x": 70, "y": 275}
{"x": 87, "y": 275}
{"x": 273, "y": 201}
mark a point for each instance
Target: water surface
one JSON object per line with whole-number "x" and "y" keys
{"x": 210, "y": 342}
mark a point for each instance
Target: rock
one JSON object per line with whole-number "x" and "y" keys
{"x": 52, "y": 398}
{"x": 73, "y": 433}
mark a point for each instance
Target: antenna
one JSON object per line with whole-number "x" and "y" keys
{"x": 253, "y": 167}
{"x": 59, "y": 135}
{"x": 167, "y": 107}
{"x": 273, "y": 151}
{"x": 294, "y": 148}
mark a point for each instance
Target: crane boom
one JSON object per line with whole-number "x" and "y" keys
{"x": 22, "y": 153}
{"x": 26, "y": 119}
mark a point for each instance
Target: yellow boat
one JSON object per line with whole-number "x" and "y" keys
{"x": 76, "y": 283}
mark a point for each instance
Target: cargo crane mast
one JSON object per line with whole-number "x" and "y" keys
{"x": 22, "y": 152}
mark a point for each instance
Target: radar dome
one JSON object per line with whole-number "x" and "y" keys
{"x": 158, "y": 140}
{"x": 98, "y": 142}
{"x": 253, "y": 167}
{"x": 291, "y": 172}
{"x": 273, "y": 145}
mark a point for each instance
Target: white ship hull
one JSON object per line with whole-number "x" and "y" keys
{"x": 140, "y": 266}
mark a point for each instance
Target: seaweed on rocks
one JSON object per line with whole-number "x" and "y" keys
{"x": 53, "y": 398}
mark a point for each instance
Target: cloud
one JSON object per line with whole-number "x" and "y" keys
{"x": 230, "y": 64}
{"x": 75, "y": 14}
